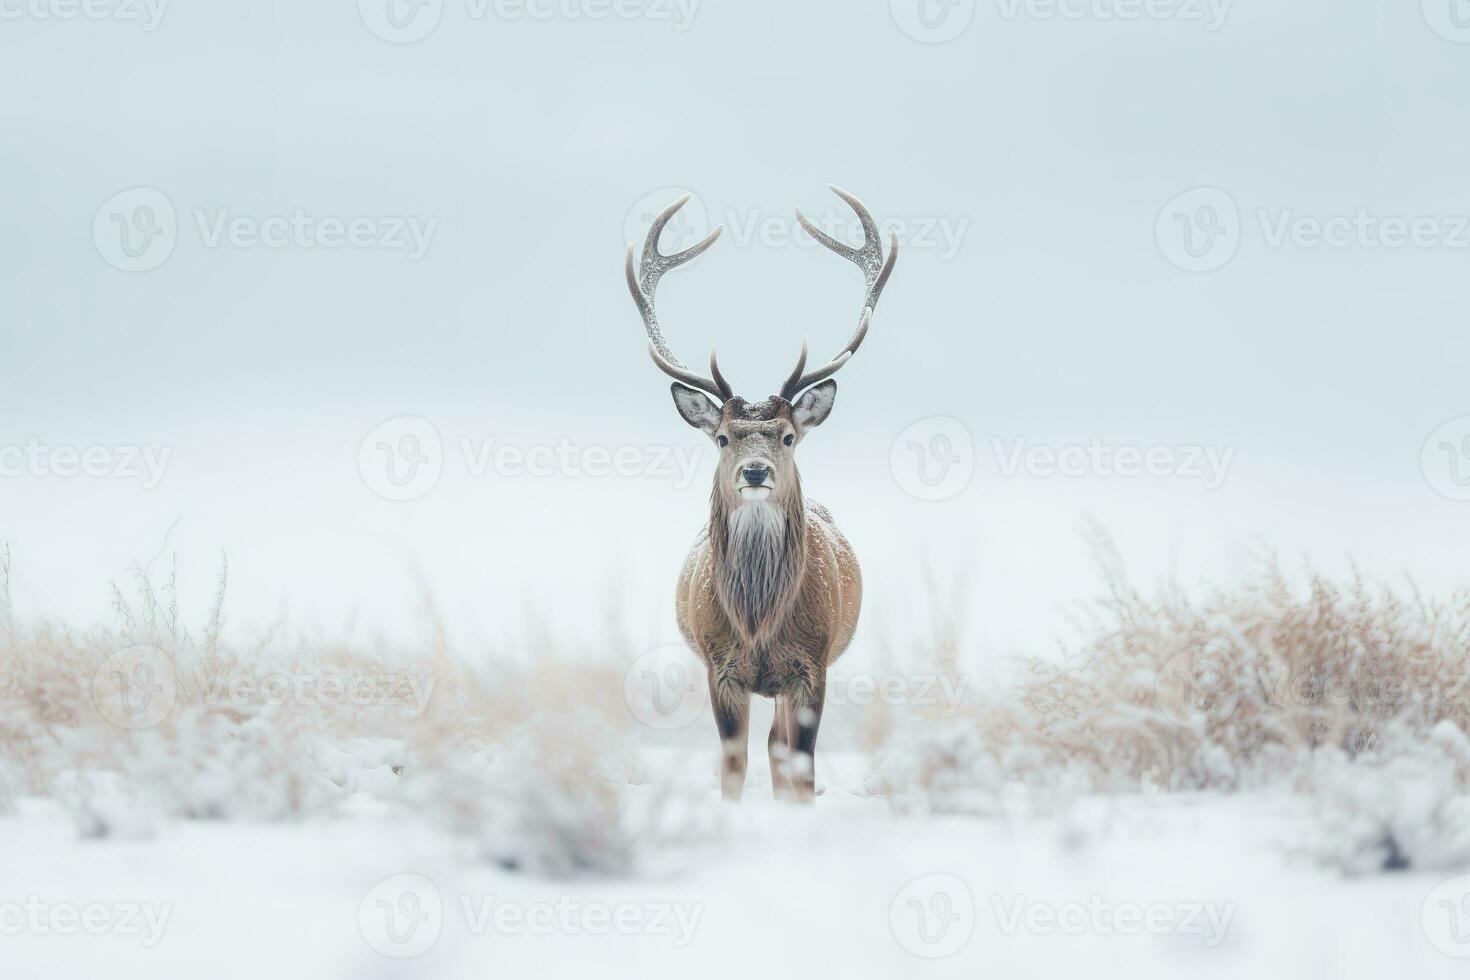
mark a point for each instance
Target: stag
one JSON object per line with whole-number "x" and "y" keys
{"x": 769, "y": 595}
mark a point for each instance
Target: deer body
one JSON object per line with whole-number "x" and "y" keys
{"x": 802, "y": 626}
{"x": 769, "y": 596}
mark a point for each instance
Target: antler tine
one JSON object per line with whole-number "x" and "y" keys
{"x": 842, "y": 249}
{"x": 681, "y": 373}
{"x": 870, "y": 227}
{"x": 726, "y": 392}
{"x": 876, "y": 270}
{"x": 798, "y": 382}
{"x": 644, "y": 282}
{"x": 663, "y": 263}
{"x": 795, "y": 375}
{"x": 869, "y": 257}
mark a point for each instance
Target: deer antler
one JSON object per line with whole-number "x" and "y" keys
{"x": 642, "y": 285}
{"x": 876, "y": 270}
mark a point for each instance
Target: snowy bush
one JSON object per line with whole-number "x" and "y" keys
{"x": 535, "y": 802}
{"x": 1400, "y": 805}
{"x": 1242, "y": 689}
{"x": 513, "y": 751}
{"x": 502, "y": 754}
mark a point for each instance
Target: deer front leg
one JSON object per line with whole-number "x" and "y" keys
{"x": 806, "y": 715}
{"x": 778, "y": 747}
{"x": 731, "y": 706}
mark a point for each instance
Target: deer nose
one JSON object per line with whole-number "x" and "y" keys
{"x": 755, "y": 475}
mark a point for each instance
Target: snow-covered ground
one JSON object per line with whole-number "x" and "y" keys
{"x": 1132, "y": 886}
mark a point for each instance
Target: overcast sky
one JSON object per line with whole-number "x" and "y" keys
{"x": 249, "y": 232}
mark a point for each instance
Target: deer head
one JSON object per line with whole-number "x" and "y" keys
{"x": 756, "y": 439}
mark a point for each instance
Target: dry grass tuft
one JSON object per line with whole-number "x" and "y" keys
{"x": 1241, "y": 689}
{"x": 505, "y": 747}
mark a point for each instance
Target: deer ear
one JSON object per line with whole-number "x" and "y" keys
{"x": 696, "y": 408}
{"x": 813, "y": 407}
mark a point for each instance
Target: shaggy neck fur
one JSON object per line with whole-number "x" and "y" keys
{"x": 760, "y": 555}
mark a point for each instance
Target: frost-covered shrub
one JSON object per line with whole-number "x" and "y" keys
{"x": 195, "y": 750}
{"x": 147, "y": 721}
{"x": 512, "y": 749}
{"x": 1399, "y": 805}
{"x": 1240, "y": 689}
{"x": 528, "y": 807}
{"x": 543, "y": 799}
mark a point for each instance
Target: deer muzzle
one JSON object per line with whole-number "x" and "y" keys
{"x": 755, "y": 478}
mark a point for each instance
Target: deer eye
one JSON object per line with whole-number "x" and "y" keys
{"x": 790, "y": 438}
{"x": 721, "y": 441}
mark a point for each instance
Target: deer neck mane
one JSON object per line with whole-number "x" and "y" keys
{"x": 760, "y": 558}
